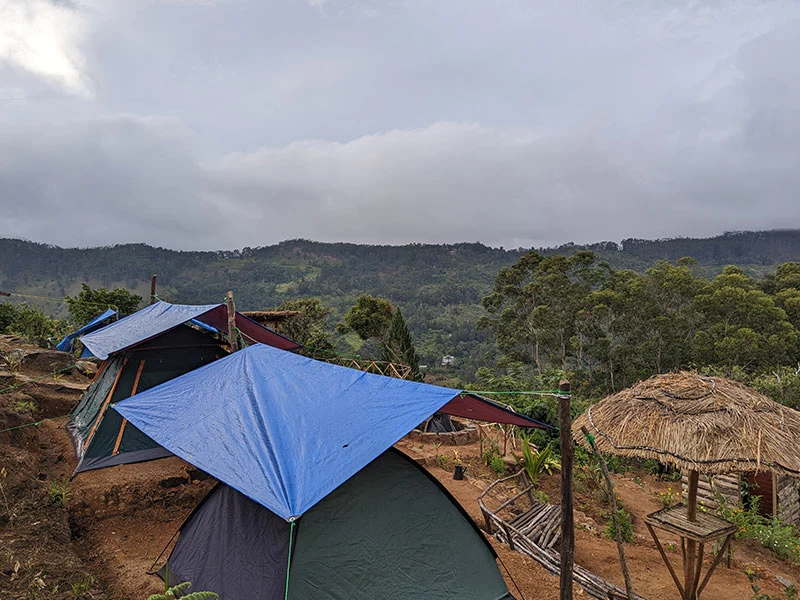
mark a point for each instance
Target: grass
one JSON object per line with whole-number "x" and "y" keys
{"x": 21, "y": 407}
{"x": 58, "y": 491}
{"x": 80, "y": 588}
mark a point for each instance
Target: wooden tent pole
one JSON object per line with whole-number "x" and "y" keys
{"x": 153, "y": 288}
{"x": 233, "y": 339}
{"x": 567, "y": 523}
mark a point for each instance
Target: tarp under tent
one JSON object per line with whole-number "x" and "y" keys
{"x": 141, "y": 351}
{"x": 68, "y": 343}
{"x": 313, "y": 503}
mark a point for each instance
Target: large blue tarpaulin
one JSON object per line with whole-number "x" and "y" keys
{"x": 162, "y": 316}
{"x": 286, "y": 430}
{"x": 68, "y": 343}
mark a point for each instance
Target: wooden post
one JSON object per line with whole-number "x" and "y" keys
{"x": 567, "y": 523}
{"x": 233, "y": 339}
{"x": 613, "y": 499}
{"x": 153, "y": 289}
{"x": 691, "y": 545}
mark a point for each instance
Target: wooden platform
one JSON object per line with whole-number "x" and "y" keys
{"x": 706, "y": 528}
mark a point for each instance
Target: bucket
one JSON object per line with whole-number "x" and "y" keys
{"x": 458, "y": 472}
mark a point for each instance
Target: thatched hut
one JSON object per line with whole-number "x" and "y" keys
{"x": 703, "y": 425}
{"x": 721, "y": 428}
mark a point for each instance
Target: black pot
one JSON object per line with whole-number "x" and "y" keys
{"x": 458, "y": 472}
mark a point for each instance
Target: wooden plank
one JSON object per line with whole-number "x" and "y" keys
{"x": 707, "y": 527}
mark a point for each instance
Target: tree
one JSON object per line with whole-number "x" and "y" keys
{"x": 7, "y": 312}
{"x": 88, "y": 303}
{"x": 399, "y": 346}
{"x": 309, "y": 328}
{"x": 533, "y": 307}
{"x": 35, "y": 325}
{"x": 369, "y": 317}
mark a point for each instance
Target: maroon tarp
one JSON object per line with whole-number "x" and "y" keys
{"x": 469, "y": 406}
{"x": 252, "y": 331}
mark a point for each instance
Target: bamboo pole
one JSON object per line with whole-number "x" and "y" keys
{"x": 567, "y": 522}
{"x": 691, "y": 545}
{"x": 614, "y": 515}
{"x": 233, "y": 339}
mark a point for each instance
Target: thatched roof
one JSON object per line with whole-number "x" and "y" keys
{"x": 709, "y": 424}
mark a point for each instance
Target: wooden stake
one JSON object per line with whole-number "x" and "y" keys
{"x": 233, "y": 339}
{"x": 153, "y": 289}
{"x": 567, "y": 522}
{"x": 691, "y": 545}
{"x": 614, "y": 515}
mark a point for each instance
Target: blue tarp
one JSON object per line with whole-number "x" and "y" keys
{"x": 142, "y": 325}
{"x": 68, "y": 343}
{"x": 283, "y": 429}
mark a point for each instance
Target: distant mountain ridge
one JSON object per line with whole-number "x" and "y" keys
{"x": 439, "y": 286}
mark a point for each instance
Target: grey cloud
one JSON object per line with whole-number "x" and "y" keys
{"x": 411, "y": 121}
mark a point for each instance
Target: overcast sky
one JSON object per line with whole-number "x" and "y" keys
{"x": 199, "y": 124}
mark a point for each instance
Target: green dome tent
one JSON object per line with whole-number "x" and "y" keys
{"x": 391, "y": 531}
{"x": 314, "y": 502}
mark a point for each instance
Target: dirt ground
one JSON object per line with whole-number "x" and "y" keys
{"x": 100, "y": 537}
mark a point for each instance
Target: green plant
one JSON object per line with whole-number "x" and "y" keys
{"x": 541, "y": 497}
{"x": 782, "y": 538}
{"x": 535, "y": 462}
{"x": 625, "y": 526}
{"x": 58, "y": 491}
{"x": 790, "y": 593}
{"x": 23, "y": 406}
{"x": 497, "y": 464}
{"x": 171, "y": 593}
{"x": 669, "y": 497}
{"x": 13, "y": 360}
{"x": 443, "y": 460}
{"x": 81, "y": 587}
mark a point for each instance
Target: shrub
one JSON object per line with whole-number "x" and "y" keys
{"x": 497, "y": 464}
{"x": 625, "y": 526}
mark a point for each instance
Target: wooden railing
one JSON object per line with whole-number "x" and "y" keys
{"x": 534, "y": 529}
{"x": 377, "y": 367}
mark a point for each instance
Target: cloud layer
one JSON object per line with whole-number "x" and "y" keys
{"x": 397, "y": 122}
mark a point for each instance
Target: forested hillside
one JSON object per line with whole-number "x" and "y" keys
{"x": 438, "y": 287}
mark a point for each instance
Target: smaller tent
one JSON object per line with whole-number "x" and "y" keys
{"x": 141, "y": 351}
{"x": 314, "y": 503}
{"x": 68, "y": 343}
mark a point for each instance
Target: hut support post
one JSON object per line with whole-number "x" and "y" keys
{"x": 614, "y": 515}
{"x": 567, "y": 523}
{"x": 232, "y": 338}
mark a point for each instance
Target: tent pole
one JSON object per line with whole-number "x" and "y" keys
{"x": 567, "y": 524}
{"x": 232, "y": 338}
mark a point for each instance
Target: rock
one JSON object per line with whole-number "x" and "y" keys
{"x": 784, "y": 582}
{"x": 87, "y": 367}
